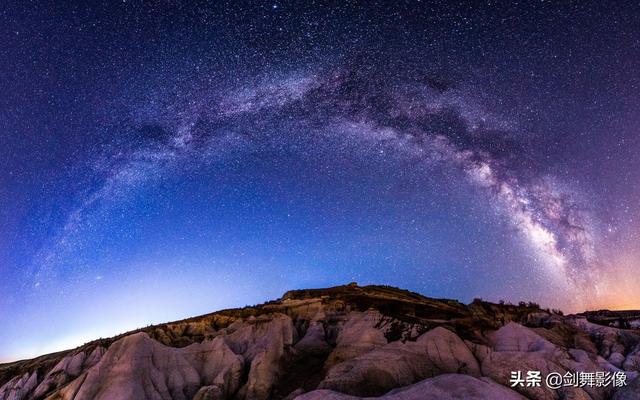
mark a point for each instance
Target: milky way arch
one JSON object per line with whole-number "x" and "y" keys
{"x": 433, "y": 121}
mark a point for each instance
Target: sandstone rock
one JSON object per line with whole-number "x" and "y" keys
{"x": 580, "y": 360}
{"x": 517, "y": 348}
{"x": 94, "y": 357}
{"x": 314, "y": 340}
{"x": 582, "y": 357}
{"x": 211, "y": 392}
{"x": 582, "y": 341}
{"x": 280, "y": 349}
{"x": 309, "y": 309}
{"x": 515, "y": 337}
{"x": 138, "y": 367}
{"x": 357, "y": 336}
{"x": 379, "y": 370}
{"x": 538, "y": 318}
{"x": 607, "y": 337}
{"x": 573, "y": 393}
{"x": 326, "y": 394}
{"x": 257, "y": 334}
{"x": 19, "y": 387}
{"x": 263, "y": 343}
{"x": 399, "y": 364}
{"x": 67, "y": 369}
{"x": 616, "y": 359}
{"x": 616, "y": 346}
{"x": 480, "y": 351}
{"x": 629, "y": 392}
{"x": 498, "y": 366}
{"x": 448, "y": 353}
{"x": 294, "y": 394}
{"x": 632, "y": 361}
{"x": 442, "y": 387}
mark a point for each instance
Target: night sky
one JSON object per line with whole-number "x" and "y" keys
{"x": 160, "y": 161}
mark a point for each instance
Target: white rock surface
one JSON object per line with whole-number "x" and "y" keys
{"x": 629, "y": 392}
{"x": 399, "y": 364}
{"x": 138, "y": 367}
{"x": 358, "y": 336}
{"x": 448, "y": 353}
{"x": 515, "y": 337}
{"x": 262, "y": 343}
{"x": 442, "y": 387}
{"x": 517, "y": 348}
{"x": 616, "y": 359}
{"x": 314, "y": 340}
{"x": 67, "y": 369}
{"x": 632, "y": 361}
{"x": 19, "y": 387}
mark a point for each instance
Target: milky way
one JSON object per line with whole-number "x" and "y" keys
{"x": 413, "y": 118}
{"x": 165, "y": 161}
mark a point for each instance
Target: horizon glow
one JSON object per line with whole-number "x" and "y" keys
{"x": 164, "y": 161}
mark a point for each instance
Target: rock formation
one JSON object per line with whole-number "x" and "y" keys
{"x": 346, "y": 342}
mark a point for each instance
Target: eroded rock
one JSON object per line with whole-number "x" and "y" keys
{"x": 399, "y": 364}
{"x": 442, "y": 387}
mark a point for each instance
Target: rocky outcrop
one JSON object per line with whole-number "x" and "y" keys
{"x": 442, "y": 387}
{"x": 632, "y": 361}
{"x": 19, "y": 387}
{"x": 399, "y": 364}
{"x": 262, "y": 342}
{"x": 346, "y": 342}
{"x": 629, "y": 392}
{"x": 357, "y": 336}
{"x": 68, "y": 369}
{"x": 138, "y": 367}
{"x": 314, "y": 340}
{"x": 448, "y": 353}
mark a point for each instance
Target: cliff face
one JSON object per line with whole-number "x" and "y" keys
{"x": 345, "y": 342}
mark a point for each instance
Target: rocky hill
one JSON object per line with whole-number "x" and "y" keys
{"x": 345, "y": 342}
{"x": 618, "y": 319}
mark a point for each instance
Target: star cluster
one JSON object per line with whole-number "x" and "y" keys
{"x": 224, "y": 153}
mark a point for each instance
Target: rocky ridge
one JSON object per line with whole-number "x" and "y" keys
{"x": 345, "y": 342}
